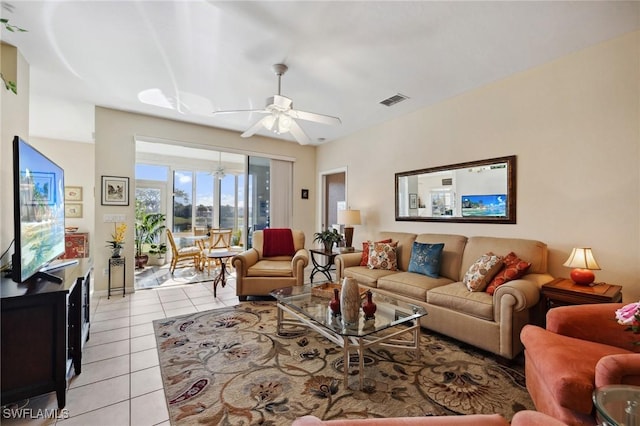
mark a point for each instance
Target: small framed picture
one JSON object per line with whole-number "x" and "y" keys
{"x": 73, "y": 210}
{"x": 115, "y": 191}
{"x": 413, "y": 201}
{"x": 305, "y": 194}
{"x": 73, "y": 193}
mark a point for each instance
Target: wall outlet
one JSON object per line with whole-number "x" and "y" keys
{"x": 114, "y": 218}
{"x": 105, "y": 272}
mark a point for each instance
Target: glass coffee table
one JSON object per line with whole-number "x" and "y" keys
{"x": 396, "y": 323}
{"x": 618, "y": 405}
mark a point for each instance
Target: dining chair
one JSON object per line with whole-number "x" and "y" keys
{"x": 185, "y": 256}
{"x": 219, "y": 239}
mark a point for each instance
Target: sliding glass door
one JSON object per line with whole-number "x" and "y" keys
{"x": 258, "y": 194}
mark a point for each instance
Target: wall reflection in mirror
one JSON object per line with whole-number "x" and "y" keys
{"x": 478, "y": 191}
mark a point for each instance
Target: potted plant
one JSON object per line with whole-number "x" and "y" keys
{"x": 147, "y": 231}
{"x": 328, "y": 238}
{"x": 158, "y": 250}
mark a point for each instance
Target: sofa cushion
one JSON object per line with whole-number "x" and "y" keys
{"x": 513, "y": 268}
{"x": 457, "y": 297}
{"x": 383, "y": 256}
{"x": 366, "y": 276}
{"x": 482, "y": 271}
{"x": 364, "y": 260}
{"x": 425, "y": 259}
{"x": 410, "y": 284}
{"x": 535, "y": 252}
{"x": 451, "y": 257}
{"x": 403, "y": 250}
{"x": 270, "y": 268}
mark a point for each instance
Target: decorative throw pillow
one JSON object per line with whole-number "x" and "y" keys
{"x": 482, "y": 271}
{"x": 364, "y": 260}
{"x": 383, "y": 256}
{"x": 513, "y": 268}
{"x": 425, "y": 259}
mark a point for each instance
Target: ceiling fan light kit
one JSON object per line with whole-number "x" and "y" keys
{"x": 282, "y": 117}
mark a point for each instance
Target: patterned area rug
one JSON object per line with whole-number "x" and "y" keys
{"x": 228, "y": 367}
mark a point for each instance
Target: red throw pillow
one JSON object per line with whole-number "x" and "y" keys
{"x": 513, "y": 268}
{"x": 364, "y": 260}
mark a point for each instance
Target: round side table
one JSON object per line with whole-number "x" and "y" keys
{"x": 618, "y": 405}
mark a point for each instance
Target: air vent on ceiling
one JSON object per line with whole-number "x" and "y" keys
{"x": 394, "y": 100}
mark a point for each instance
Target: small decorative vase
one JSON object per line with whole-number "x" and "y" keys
{"x": 369, "y": 307}
{"x": 334, "y": 305}
{"x": 328, "y": 246}
{"x": 349, "y": 302}
{"x": 116, "y": 252}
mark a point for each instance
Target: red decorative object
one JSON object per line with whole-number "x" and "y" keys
{"x": 582, "y": 276}
{"x": 76, "y": 245}
{"x": 334, "y": 305}
{"x": 369, "y": 307}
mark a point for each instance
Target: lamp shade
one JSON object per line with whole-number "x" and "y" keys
{"x": 349, "y": 217}
{"x": 582, "y": 260}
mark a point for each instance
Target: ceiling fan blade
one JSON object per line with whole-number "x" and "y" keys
{"x": 233, "y": 111}
{"x": 253, "y": 129}
{"x": 312, "y": 116}
{"x": 299, "y": 134}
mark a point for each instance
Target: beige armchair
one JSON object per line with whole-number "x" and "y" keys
{"x": 257, "y": 275}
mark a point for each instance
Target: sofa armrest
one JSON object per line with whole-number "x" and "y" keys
{"x": 514, "y": 296}
{"x": 593, "y": 322}
{"x": 346, "y": 260}
{"x": 299, "y": 261}
{"x": 618, "y": 369}
{"x": 243, "y": 261}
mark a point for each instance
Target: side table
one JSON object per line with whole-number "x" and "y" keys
{"x": 563, "y": 291}
{"x": 221, "y": 278}
{"x": 323, "y": 268}
{"x": 117, "y": 262}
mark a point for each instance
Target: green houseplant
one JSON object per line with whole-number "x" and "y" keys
{"x": 328, "y": 238}
{"x": 147, "y": 231}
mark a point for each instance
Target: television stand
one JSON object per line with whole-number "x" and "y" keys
{"x": 43, "y": 329}
{"x": 45, "y": 276}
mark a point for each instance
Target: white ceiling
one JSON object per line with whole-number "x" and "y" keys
{"x": 343, "y": 57}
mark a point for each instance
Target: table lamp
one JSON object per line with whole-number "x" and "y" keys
{"x": 348, "y": 218}
{"x": 583, "y": 262}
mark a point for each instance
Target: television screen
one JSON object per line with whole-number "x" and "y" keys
{"x": 484, "y": 205}
{"x": 38, "y": 186}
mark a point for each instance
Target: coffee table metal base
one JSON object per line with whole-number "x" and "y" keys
{"x": 353, "y": 343}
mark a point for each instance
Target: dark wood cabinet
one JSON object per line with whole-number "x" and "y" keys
{"x": 43, "y": 330}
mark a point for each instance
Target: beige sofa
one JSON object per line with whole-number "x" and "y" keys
{"x": 490, "y": 322}
{"x": 257, "y": 275}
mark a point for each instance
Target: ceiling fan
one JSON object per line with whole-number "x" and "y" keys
{"x": 281, "y": 117}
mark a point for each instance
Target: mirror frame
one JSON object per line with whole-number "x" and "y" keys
{"x": 510, "y": 218}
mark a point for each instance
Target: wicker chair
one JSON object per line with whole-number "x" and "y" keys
{"x": 183, "y": 257}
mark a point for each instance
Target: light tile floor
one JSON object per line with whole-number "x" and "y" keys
{"x": 120, "y": 383}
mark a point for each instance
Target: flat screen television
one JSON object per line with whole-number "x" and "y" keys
{"x": 38, "y": 212}
{"x": 494, "y": 205}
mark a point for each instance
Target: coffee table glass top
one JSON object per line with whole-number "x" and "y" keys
{"x": 390, "y": 311}
{"x": 618, "y": 404}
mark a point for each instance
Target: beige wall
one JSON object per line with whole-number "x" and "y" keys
{"x": 574, "y": 125}
{"x": 77, "y": 160}
{"x": 115, "y": 156}
{"x": 14, "y": 120}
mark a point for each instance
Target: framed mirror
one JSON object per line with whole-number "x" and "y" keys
{"x": 474, "y": 192}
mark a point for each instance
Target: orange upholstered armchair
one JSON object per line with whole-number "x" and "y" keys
{"x": 582, "y": 348}
{"x": 270, "y": 263}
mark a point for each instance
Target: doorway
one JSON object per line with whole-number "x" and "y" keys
{"x": 334, "y": 196}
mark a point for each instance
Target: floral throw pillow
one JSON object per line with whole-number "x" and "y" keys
{"x": 364, "y": 260}
{"x": 514, "y": 268}
{"x": 482, "y": 271}
{"x": 383, "y": 256}
{"x": 425, "y": 259}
